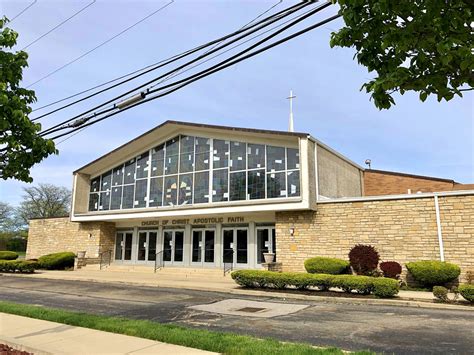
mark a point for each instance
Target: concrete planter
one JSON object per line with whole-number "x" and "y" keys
{"x": 81, "y": 254}
{"x": 268, "y": 257}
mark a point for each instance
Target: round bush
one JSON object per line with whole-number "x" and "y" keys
{"x": 320, "y": 265}
{"x": 433, "y": 273}
{"x": 56, "y": 261}
{"x": 467, "y": 291}
{"x": 391, "y": 269}
{"x": 364, "y": 259}
{"x": 8, "y": 255}
{"x": 441, "y": 293}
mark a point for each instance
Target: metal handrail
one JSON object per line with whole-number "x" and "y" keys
{"x": 159, "y": 261}
{"x": 228, "y": 266}
{"x": 105, "y": 258}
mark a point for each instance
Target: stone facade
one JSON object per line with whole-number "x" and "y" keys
{"x": 53, "y": 235}
{"x": 402, "y": 230}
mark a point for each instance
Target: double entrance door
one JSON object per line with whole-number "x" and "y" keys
{"x": 235, "y": 246}
{"x": 146, "y": 250}
{"x": 123, "y": 246}
{"x": 203, "y": 242}
{"x": 173, "y": 247}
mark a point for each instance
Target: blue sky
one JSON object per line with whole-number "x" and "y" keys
{"x": 428, "y": 138}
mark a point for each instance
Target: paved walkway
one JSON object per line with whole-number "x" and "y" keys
{"x": 195, "y": 279}
{"x": 43, "y": 337}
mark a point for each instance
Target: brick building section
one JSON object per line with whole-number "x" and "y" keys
{"x": 379, "y": 182}
{"x": 53, "y": 235}
{"x": 402, "y": 230}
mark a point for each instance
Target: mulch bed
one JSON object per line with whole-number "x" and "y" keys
{"x": 8, "y": 350}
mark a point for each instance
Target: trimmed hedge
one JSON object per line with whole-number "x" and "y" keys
{"x": 8, "y": 255}
{"x": 467, "y": 291}
{"x": 56, "y": 261}
{"x": 433, "y": 273}
{"x": 379, "y": 286}
{"x": 19, "y": 266}
{"x": 321, "y": 265}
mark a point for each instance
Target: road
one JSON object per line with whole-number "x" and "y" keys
{"x": 390, "y": 329}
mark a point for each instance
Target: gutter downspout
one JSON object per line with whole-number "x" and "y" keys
{"x": 438, "y": 224}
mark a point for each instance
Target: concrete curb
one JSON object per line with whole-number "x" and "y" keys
{"x": 397, "y": 301}
{"x": 18, "y": 346}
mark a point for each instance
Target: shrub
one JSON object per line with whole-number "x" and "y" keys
{"x": 19, "y": 266}
{"x": 467, "y": 291}
{"x": 364, "y": 259}
{"x": 380, "y": 287}
{"x": 441, "y": 293}
{"x": 320, "y": 265}
{"x": 433, "y": 273}
{"x": 385, "y": 287}
{"x": 56, "y": 261}
{"x": 8, "y": 255}
{"x": 391, "y": 269}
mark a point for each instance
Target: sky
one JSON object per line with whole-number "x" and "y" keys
{"x": 430, "y": 138}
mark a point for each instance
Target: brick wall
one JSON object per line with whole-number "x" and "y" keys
{"x": 60, "y": 234}
{"x": 387, "y": 183}
{"x": 402, "y": 230}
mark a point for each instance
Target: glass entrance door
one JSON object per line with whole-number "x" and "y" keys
{"x": 235, "y": 246}
{"x": 123, "y": 246}
{"x": 265, "y": 242}
{"x": 203, "y": 241}
{"x": 173, "y": 244}
{"x": 146, "y": 246}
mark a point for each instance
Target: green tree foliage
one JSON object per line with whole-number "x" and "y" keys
{"x": 421, "y": 45}
{"x": 20, "y": 145}
{"x": 43, "y": 201}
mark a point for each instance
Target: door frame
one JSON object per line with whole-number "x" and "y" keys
{"x": 202, "y": 263}
{"x": 271, "y": 247}
{"x": 137, "y": 246}
{"x": 121, "y": 260}
{"x": 236, "y": 265}
{"x": 162, "y": 244}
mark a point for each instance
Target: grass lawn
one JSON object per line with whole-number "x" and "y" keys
{"x": 220, "y": 342}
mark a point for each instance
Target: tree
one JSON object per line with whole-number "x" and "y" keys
{"x": 43, "y": 201}
{"x": 420, "y": 45}
{"x": 6, "y": 212}
{"x": 20, "y": 145}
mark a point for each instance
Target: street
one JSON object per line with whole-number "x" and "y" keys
{"x": 391, "y": 329}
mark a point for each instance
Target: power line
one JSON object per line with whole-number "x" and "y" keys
{"x": 59, "y": 25}
{"x": 100, "y": 45}
{"x": 299, "y": 33}
{"x": 22, "y": 11}
{"x": 157, "y": 65}
{"x": 257, "y": 27}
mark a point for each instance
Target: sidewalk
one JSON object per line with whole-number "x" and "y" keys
{"x": 43, "y": 337}
{"x": 207, "y": 281}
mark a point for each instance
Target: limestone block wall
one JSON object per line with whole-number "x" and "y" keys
{"x": 52, "y": 235}
{"x": 402, "y": 230}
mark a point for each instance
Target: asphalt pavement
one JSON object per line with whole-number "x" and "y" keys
{"x": 381, "y": 328}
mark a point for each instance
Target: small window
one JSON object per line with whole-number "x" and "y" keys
{"x": 186, "y": 160}
{"x": 156, "y": 192}
{"x": 293, "y": 183}
{"x": 142, "y": 166}
{"x": 293, "y": 158}
{"x": 256, "y": 156}
{"x": 220, "y": 185}
{"x": 276, "y": 185}
{"x": 221, "y": 154}
{"x": 117, "y": 176}
{"x": 140, "y": 193}
{"x": 116, "y": 198}
{"x": 275, "y": 158}
{"x": 238, "y": 186}
{"x": 157, "y": 160}
{"x": 127, "y": 200}
{"x": 129, "y": 172}
{"x": 256, "y": 184}
{"x": 104, "y": 203}
{"x": 203, "y": 150}
{"x": 95, "y": 184}
{"x": 185, "y": 189}
{"x": 93, "y": 201}
{"x": 172, "y": 156}
{"x": 201, "y": 187}
{"x": 106, "y": 181}
{"x": 171, "y": 191}
{"x": 238, "y": 156}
